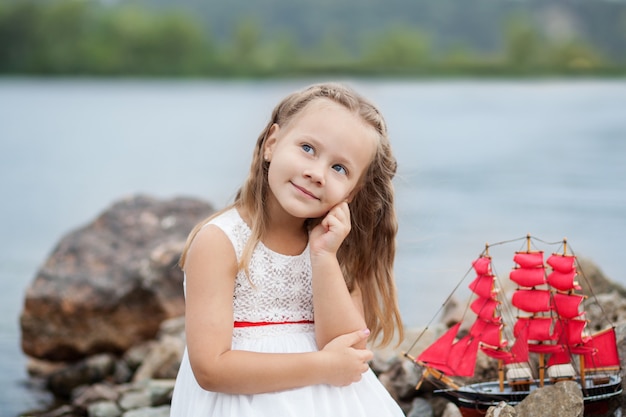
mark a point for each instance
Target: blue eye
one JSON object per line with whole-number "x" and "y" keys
{"x": 307, "y": 148}
{"x": 340, "y": 169}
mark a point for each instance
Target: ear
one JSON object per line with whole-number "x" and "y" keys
{"x": 270, "y": 142}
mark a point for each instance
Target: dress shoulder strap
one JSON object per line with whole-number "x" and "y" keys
{"x": 237, "y": 231}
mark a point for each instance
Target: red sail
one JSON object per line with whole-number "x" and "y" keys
{"x": 529, "y": 259}
{"x": 575, "y": 332}
{"x": 519, "y": 350}
{"x": 482, "y": 265}
{"x": 557, "y": 334}
{"x": 485, "y": 308}
{"x": 535, "y": 328}
{"x": 463, "y": 356}
{"x": 458, "y": 359}
{"x": 497, "y": 353}
{"x": 563, "y": 272}
{"x": 517, "y": 354}
{"x": 567, "y": 306}
{"x": 487, "y": 332}
{"x": 572, "y": 339}
{"x": 604, "y": 350}
{"x": 541, "y": 348}
{"x": 563, "y": 281}
{"x": 528, "y": 277}
{"x": 559, "y": 358}
{"x": 483, "y": 286}
{"x": 436, "y": 355}
{"x": 561, "y": 263}
{"x": 533, "y": 301}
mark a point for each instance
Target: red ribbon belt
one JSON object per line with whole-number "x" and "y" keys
{"x": 268, "y": 323}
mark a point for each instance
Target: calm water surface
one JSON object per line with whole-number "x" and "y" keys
{"x": 479, "y": 161}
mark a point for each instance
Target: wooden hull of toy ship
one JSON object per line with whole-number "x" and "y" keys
{"x": 546, "y": 323}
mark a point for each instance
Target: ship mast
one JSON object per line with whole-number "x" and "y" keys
{"x": 500, "y": 361}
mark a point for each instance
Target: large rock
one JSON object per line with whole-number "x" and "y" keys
{"x": 563, "y": 399}
{"x": 593, "y": 280}
{"x": 109, "y": 285}
{"x": 501, "y": 410}
{"x": 605, "y": 310}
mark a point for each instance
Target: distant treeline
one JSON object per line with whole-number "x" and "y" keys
{"x": 72, "y": 37}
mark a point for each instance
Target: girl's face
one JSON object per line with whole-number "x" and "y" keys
{"x": 318, "y": 158}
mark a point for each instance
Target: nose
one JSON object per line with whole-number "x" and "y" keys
{"x": 314, "y": 172}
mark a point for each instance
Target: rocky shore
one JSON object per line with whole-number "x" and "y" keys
{"x": 103, "y": 325}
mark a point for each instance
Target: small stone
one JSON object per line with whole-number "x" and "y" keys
{"x": 104, "y": 409}
{"x": 420, "y": 408}
{"x": 163, "y": 411}
{"x": 501, "y": 410}
{"x": 135, "y": 399}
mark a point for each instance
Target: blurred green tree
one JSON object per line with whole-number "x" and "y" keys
{"x": 399, "y": 49}
{"x": 575, "y": 56}
{"x": 129, "y": 41}
{"x": 524, "y": 49}
{"x": 78, "y": 37}
{"x": 244, "y": 53}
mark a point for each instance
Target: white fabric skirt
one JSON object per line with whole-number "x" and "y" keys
{"x": 366, "y": 398}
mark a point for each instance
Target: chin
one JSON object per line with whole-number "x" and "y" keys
{"x": 303, "y": 213}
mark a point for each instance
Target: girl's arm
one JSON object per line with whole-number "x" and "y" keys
{"x": 210, "y": 271}
{"x": 337, "y": 311}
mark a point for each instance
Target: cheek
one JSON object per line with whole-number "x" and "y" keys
{"x": 350, "y": 196}
{"x": 275, "y": 173}
{"x": 343, "y": 193}
{"x": 271, "y": 175}
{"x": 354, "y": 190}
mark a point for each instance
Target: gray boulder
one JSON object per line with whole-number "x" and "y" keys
{"x": 108, "y": 286}
{"x": 563, "y": 399}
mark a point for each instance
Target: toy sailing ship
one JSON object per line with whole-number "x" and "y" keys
{"x": 548, "y": 330}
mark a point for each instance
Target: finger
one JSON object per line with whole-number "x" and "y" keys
{"x": 332, "y": 222}
{"x": 342, "y": 210}
{"x": 325, "y": 223}
{"x": 345, "y": 208}
{"x": 366, "y": 356}
{"x": 339, "y": 217}
{"x": 350, "y": 339}
{"x": 344, "y": 215}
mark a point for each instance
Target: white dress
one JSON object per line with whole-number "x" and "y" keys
{"x": 281, "y": 292}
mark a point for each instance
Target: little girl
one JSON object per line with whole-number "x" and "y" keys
{"x": 284, "y": 287}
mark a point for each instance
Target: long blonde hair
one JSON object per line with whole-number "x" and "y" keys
{"x": 367, "y": 254}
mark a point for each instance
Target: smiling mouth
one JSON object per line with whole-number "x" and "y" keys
{"x": 305, "y": 191}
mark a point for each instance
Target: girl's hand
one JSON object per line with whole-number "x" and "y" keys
{"x": 327, "y": 236}
{"x": 346, "y": 364}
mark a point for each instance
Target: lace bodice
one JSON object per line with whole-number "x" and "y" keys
{"x": 279, "y": 288}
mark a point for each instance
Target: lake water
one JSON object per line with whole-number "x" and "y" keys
{"x": 479, "y": 161}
